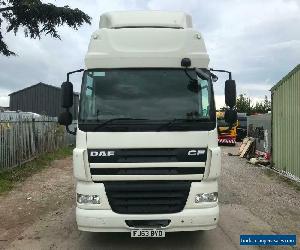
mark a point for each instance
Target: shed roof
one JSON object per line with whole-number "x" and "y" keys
{"x": 34, "y": 85}
{"x": 291, "y": 73}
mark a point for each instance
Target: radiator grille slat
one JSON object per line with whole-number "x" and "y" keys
{"x": 148, "y": 171}
{"x": 148, "y": 197}
{"x": 142, "y": 201}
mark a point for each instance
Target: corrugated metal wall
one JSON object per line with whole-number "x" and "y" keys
{"x": 286, "y": 124}
{"x": 42, "y": 99}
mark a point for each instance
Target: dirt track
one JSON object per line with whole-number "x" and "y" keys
{"x": 39, "y": 213}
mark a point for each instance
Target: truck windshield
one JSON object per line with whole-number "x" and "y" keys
{"x": 150, "y": 97}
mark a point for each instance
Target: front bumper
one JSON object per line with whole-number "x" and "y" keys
{"x": 101, "y": 218}
{"x": 109, "y": 221}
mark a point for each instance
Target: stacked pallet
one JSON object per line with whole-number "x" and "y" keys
{"x": 247, "y": 148}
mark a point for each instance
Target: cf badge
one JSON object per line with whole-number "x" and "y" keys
{"x": 196, "y": 152}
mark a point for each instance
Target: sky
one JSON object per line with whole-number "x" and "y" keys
{"x": 259, "y": 41}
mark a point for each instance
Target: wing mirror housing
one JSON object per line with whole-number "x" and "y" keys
{"x": 67, "y": 95}
{"x": 230, "y": 93}
{"x": 65, "y": 118}
{"x": 230, "y": 116}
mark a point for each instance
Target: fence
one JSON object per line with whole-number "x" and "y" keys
{"x": 22, "y": 138}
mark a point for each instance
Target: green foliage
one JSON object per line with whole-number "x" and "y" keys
{"x": 244, "y": 105}
{"x": 9, "y": 178}
{"x": 36, "y": 18}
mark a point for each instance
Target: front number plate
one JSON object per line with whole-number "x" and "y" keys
{"x": 145, "y": 233}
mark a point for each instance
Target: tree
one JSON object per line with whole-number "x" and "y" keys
{"x": 267, "y": 104}
{"x": 263, "y": 106}
{"x": 243, "y": 104}
{"x": 36, "y": 18}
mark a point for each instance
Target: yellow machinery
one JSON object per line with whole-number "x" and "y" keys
{"x": 226, "y": 134}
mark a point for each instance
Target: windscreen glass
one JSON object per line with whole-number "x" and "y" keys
{"x": 145, "y": 94}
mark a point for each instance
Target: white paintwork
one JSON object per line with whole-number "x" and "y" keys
{"x": 108, "y": 221}
{"x": 136, "y": 40}
{"x": 153, "y": 139}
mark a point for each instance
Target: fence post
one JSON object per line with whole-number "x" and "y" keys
{"x": 34, "y": 136}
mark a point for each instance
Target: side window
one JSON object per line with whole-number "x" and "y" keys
{"x": 89, "y": 99}
{"x": 203, "y": 98}
{"x": 89, "y": 86}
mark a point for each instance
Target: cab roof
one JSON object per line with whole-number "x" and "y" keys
{"x": 137, "y": 19}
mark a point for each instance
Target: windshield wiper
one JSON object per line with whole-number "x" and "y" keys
{"x": 103, "y": 124}
{"x": 168, "y": 124}
{"x": 174, "y": 121}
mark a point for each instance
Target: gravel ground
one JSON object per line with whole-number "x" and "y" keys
{"x": 264, "y": 193}
{"x": 252, "y": 201}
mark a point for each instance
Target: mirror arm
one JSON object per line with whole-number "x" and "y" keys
{"x": 200, "y": 73}
{"x": 72, "y": 72}
{"x": 188, "y": 75}
{"x": 69, "y": 131}
{"x": 67, "y": 127}
{"x": 224, "y": 71}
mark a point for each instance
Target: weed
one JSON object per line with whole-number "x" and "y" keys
{"x": 9, "y": 178}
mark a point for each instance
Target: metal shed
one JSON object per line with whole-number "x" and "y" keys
{"x": 42, "y": 99}
{"x": 286, "y": 124}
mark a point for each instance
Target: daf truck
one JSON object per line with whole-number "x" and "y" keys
{"x": 146, "y": 159}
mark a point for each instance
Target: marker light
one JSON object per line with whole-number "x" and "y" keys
{"x": 88, "y": 199}
{"x": 206, "y": 197}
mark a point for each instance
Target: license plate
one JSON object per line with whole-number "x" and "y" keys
{"x": 147, "y": 233}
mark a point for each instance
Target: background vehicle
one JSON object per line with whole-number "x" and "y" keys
{"x": 227, "y": 134}
{"x": 147, "y": 159}
{"x": 241, "y": 131}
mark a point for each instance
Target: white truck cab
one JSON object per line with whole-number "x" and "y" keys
{"x": 147, "y": 159}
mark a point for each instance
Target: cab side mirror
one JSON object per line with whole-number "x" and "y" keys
{"x": 230, "y": 93}
{"x": 67, "y": 95}
{"x": 65, "y": 118}
{"x": 230, "y": 116}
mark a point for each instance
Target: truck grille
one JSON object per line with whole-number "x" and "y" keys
{"x": 147, "y": 197}
{"x": 148, "y": 171}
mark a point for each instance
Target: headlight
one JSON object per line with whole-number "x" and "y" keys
{"x": 88, "y": 199}
{"x": 206, "y": 197}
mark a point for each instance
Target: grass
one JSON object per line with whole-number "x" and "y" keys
{"x": 9, "y": 178}
{"x": 273, "y": 175}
